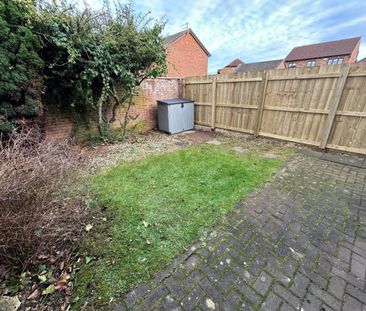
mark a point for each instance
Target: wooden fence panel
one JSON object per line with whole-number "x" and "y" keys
{"x": 322, "y": 106}
{"x": 297, "y": 103}
{"x": 349, "y": 128}
{"x": 200, "y": 89}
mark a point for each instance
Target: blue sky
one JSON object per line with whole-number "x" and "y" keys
{"x": 261, "y": 29}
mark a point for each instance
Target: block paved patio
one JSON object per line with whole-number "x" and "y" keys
{"x": 298, "y": 243}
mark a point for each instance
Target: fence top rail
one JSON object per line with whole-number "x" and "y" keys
{"x": 225, "y": 81}
{"x": 322, "y": 72}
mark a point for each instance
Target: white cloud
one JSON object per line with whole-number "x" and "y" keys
{"x": 362, "y": 53}
{"x": 261, "y": 29}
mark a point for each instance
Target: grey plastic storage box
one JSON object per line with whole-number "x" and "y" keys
{"x": 175, "y": 115}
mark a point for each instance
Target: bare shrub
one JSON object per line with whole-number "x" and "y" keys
{"x": 34, "y": 174}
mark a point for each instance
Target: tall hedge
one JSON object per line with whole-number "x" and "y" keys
{"x": 19, "y": 63}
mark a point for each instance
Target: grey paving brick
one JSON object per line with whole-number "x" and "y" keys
{"x": 263, "y": 283}
{"x": 133, "y": 296}
{"x": 212, "y": 291}
{"x": 351, "y": 303}
{"x": 248, "y": 293}
{"x": 325, "y": 297}
{"x": 174, "y": 287}
{"x": 169, "y": 303}
{"x": 192, "y": 299}
{"x": 311, "y": 303}
{"x": 287, "y": 307}
{"x": 287, "y": 296}
{"x": 272, "y": 302}
{"x": 155, "y": 295}
{"x": 355, "y": 292}
{"x": 232, "y": 301}
{"x": 300, "y": 285}
{"x": 348, "y": 277}
{"x": 337, "y": 287}
{"x": 358, "y": 269}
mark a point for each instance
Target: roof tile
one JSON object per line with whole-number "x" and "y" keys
{"x": 325, "y": 49}
{"x": 259, "y": 66}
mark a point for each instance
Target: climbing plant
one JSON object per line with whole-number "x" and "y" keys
{"x": 94, "y": 60}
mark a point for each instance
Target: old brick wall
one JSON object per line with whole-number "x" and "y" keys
{"x": 145, "y": 108}
{"x": 186, "y": 58}
{"x": 60, "y": 125}
{"x": 57, "y": 124}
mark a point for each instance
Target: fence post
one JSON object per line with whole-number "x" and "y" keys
{"x": 261, "y": 101}
{"x": 213, "y": 105}
{"x": 333, "y": 106}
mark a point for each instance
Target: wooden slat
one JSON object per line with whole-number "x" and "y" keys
{"x": 202, "y": 123}
{"x": 351, "y": 114}
{"x": 295, "y": 140}
{"x": 360, "y": 74}
{"x": 289, "y": 109}
{"x": 240, "y": 80}
{"x": 203, "y": 104}
{"x": 261, "y": 101}
{"x": 198, "y": 82}
{"x": 334, "y": 105}
{"x": 213, "y": 107}
{"x": 304, "y": 77}
{"x": 235, "y": 129}
{"x": 237, "y": 106}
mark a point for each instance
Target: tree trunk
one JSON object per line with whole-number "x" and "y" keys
{"x": 101, "y": 125}
{"x": 126, "y": 116}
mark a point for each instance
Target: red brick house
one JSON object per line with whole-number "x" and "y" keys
{"x": 326, "y": 53}
{"x": 231, "y": 67}
{"x": 186, "y": 55}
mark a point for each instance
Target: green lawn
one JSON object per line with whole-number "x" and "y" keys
{"x": 158, "y": 206}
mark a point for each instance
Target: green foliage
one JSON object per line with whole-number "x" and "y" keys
{"x": 89, "y": 55}
{"x": 19, "y": 62}
{"x": 179, "y": 197}
{"x": 85, "y": 56}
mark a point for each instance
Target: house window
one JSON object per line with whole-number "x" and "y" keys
{"x": 335, "y": 61}
{"x": 291, "y": 65}
{"x": 310, "y": 63}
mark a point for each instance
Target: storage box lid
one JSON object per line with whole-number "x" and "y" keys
{"x": 175, "y": 101}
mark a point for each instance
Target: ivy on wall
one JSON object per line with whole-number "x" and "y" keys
{"x": 82, "y": 55}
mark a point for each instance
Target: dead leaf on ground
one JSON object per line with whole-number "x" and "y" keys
{"x": 88, "y": 227}
{"x": 148, "y": 242}
{"x": 34, "y": 295}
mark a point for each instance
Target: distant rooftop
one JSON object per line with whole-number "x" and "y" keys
{"x": 325, "y": 49}
{"x": 235, "y": 63}
{"x": 259, "y": 66}
{"x": 172, "y": 38}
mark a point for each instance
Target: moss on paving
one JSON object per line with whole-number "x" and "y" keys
{"x": 157, "y": 207}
